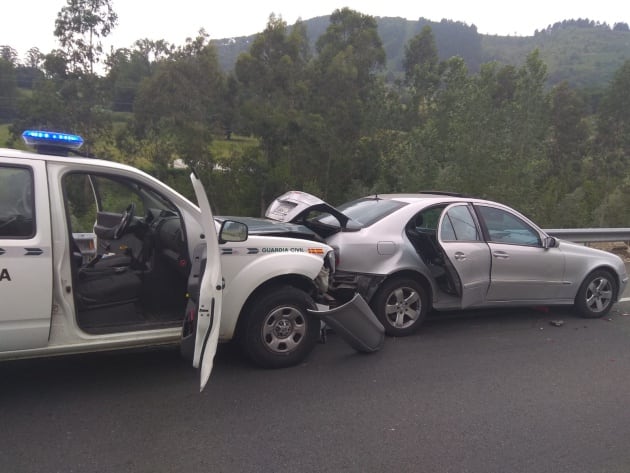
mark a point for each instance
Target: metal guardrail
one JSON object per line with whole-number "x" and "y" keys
{"x": 590, "y": 235}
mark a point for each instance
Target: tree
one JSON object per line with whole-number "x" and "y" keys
{"x": 8, "y": 90}
{"x": 344, "y": 94}
{"x": 34, "y": 58}
{"x": 271, "y": 79}
{"x": 420, "y": 52}
{"x": 31, "y": 71}
{"x": 569, "y": 133}
{"x": 612, "y": 141}
{"x": 614, "y": 114}
{"x": 61, "y": 100}
{"x": 128, "y": 67}
{"x": 177, "y": 105}
{"x": 79, "y": 27}
{"x": 43, "y": 109}
{"x": 8, "y": 54}
{"x": 422, "y": 71}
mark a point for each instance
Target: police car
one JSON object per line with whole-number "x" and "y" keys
{"x": 97, "y": 255}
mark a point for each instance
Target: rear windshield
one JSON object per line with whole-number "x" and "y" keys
{"x": 365, "y": 211}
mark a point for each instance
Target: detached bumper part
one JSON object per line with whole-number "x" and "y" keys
{"x": 355, "y": 322}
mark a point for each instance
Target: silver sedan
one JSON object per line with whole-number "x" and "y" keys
{"x": 407, "y": 254}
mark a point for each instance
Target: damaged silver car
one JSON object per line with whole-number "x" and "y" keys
{"x": 407, "y": 254}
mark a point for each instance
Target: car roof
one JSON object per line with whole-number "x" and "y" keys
{"x": 95, "y": 162}
{"x": 426, "y": 198}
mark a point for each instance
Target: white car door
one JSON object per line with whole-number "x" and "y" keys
{"x": 25, "y": 255}
{"x": 210, "y": 295}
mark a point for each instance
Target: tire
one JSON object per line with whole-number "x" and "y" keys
{"x": 278, "y": 332}
{"x": 401, "y": 305}
{"x": 596, "y": 294}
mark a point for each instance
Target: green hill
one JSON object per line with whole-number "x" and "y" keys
{"x": 584, "y": 53}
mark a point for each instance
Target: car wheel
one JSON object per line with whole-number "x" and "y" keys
{"x": 596, "y": 294}
{"x": 278, "y": 331}
{"x": 400, "y": 305}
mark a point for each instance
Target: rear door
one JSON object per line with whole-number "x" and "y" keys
{"x": 210, "y": 293}
{"x": 467, "y": 261}
{"x": 25, "y": 255}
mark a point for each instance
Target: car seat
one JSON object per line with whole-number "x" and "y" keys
{"x": 104, "y": 281}
{"x": 424, "y": 241}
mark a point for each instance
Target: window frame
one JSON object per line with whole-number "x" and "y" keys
{"x": 33, "y": 208}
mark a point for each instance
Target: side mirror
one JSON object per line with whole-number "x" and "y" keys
{"x": 549, "y": 242}
{"x": 232, "y": 231}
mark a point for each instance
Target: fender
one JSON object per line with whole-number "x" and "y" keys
{"x": 274, "y": 257}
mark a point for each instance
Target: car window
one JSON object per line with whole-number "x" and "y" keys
{"x": 88, "y": 194}
{"x": 505, "y": 227}
{"x": 17, "y": 208}
{"x": 458, "y": 225}
{"x": 114, "y": 196}
{"x": 429, "y": 218}
{"x": 80, "y": 202}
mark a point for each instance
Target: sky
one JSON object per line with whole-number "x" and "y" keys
{"x": 25, "y": 24}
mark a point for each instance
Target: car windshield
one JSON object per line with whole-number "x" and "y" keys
{"x": 364, "y": 211}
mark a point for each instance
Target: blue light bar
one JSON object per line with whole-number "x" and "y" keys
{"x": 52, "y": 139}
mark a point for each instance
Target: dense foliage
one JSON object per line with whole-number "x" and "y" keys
{"x": 327, "y": 117}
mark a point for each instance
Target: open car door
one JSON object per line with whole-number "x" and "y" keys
{"x": 467, "y": 255}
{"x": 210, "y": 287}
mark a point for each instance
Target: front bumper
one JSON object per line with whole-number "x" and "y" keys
{"x": 355, "y": 322}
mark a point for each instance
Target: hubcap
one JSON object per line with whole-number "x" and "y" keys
{"x": 403, "y": 307}
{"x": 283, "y": 329}
{"x": 599, "y": 294}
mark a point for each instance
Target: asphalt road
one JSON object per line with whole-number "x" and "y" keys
{"x": 476, "y": 392}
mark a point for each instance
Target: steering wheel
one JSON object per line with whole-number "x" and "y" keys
{"x": 125, "y": 220}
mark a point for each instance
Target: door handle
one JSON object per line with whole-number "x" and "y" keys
{"x": 500, "y": 254}
{"x": 459, "y": 256}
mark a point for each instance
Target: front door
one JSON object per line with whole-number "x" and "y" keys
{"x": 210, "y": 295}
{"x": 522, "y": 269}
{"x": 25, "y": 256}
{"x": 467, "y": 254}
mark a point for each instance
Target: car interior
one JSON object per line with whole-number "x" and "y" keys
{"x": 136, "y": 279}
{"x": 421, "y": 231}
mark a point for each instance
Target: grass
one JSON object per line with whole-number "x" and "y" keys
{"x": 4, "y": 135}
{"x": 223, "y": 148}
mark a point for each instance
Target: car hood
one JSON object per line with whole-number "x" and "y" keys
{"x": 295, "y": 206}
{"x": 268, "y": 227}
{"x": 581, "y": 249}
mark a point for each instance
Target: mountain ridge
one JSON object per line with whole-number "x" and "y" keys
{"x": 582, "y": 52}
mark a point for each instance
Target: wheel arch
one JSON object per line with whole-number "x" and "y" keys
{"x": 596, "y": 304}
{"x": 610, "y": 270}
{"x": 411, "y": 274}
{"x": 294, "y": 280}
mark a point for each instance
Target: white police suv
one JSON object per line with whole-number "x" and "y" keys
{"x": 97, "y": 255}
